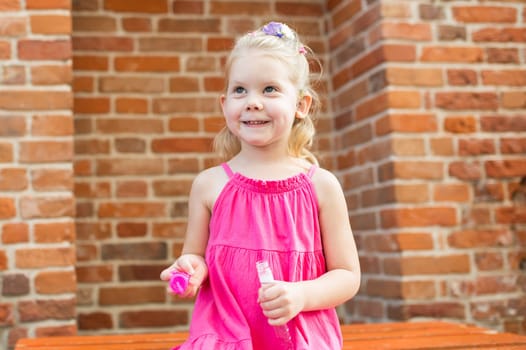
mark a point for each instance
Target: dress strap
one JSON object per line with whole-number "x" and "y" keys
{"x": 312, "y": 170}
{"x": 227, "y": 169}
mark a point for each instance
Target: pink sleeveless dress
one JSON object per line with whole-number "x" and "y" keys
{"x": 256, "y": 220}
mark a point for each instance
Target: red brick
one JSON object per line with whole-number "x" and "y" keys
{"x": 131, "y": 84}
{"x": 169, "y": 230}
{"x": 137, "y": 6}
{"x": 147, "y": 64}
{"x": 129, "y": 166}
{"x": 9, "y": 5}
{"x": 188, "y": 7}
{"x": 137, "y": 24}
{"x": 135, "y": 251}
{"x": 153, "y": 318}
{"x": 130, "y": 145}
{"x": 12, "y": 126}
{"x": 50, "y": 24}
{"x": 462, "y": 77}
{"x": 466, "y": 100}
{"x": 399, "y": 242}
{"x": 452, "y": 310}
{"x": 506, "y": 78}
{"x": 15, "y": 232}
{"x": 13, "y": 26}
{"x": 13, "y": 179}
{"x": 475, "y": 147}
{"x": 131, "y": 295}
{"x": 7, "y": 315}
{"x": 414, "y": 77}
{"x": 513, "y": 145}
{"x": 55, "y": 282}
{"x": 199, "y": 25}
{"x": 94, "y": 274}
{"x": 52, "y": 125}
{"x": 497, "y": 34}
{"x": 503, "y": 123}
{"x": 451, "y": 193}
{"x": 56, "y": 232}
{"x": 48, "y": 4}
{"x": 39, "y": 310}
{"x": 92, "y": 105}
{"x": 180, "y": 187}
{"x": 125, "y": 125}
{"x": 442, "y": 146}
{"x": 95, "y": 321}
{"x": 505, "y": 168}
{"x": 15, "y": 285}
{"x": 131, "y": 105}
{"x": 480, "y": 238}
{"x": 89, "y": 63}
{"x": 44, "y": 50}
{"x": 103, "y": 44}
{"x": 94, "y": 24}
{"x": 513, "y": 99}
{"x": 485, "y": 14}
{"x": 177, "y": 145}
{"x": 56, "y": 331}
{"x": 12, "y": 75}
{"x": 418, "y": 217}
{"x": 428, "y": 265}
{"x": 502, "y": 55}
{"x": 46, "y": 151}
{"x": 452, "y": 54}
{"x": 46, "y": 207}
{"x": 36, "y": 100}
{"x": 240, "y": 8}
{"x": 3, "y": 262}
{"x": 132, "y": 210}
{"x": 52, "y": 179}
{"x": 51, "y": 75}
{"x": 413, "y": 123}
{"x": 6, "y": 152}
{"x": 406, "y": 31}
{"x": 7, "y": 208}
{"x": 29, "y": 258}
{"x": 131, "y": 229}
{"x": 465, "y": 170}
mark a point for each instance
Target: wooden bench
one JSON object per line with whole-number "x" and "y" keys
{"x": 406, "y": 335}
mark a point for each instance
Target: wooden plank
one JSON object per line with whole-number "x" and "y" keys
{"x": 382, "y": 336}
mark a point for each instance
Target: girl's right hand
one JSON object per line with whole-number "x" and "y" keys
{"x": 192, "y": 264}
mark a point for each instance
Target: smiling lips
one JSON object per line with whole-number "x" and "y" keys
{"x": 255, "y": 122}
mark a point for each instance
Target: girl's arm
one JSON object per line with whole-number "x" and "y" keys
{"x": 283, "y": 301}
{"x": 192, "y": 258}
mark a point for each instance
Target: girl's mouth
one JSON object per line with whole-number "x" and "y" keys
{"x": 255, "y": 122}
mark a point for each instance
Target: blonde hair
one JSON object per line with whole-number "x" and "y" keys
{"x": 281, "y": 42}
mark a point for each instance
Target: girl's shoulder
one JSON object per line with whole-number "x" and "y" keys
{"x": 327, "y": 185}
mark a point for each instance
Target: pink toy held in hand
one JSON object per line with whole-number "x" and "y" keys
{"x": 179, "y": 282}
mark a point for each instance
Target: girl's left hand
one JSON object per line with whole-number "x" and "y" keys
{"x": 280, "y": 301}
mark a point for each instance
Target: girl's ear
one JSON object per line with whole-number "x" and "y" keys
{"x": 303, "y": 106}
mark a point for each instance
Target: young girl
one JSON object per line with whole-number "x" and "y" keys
{"x": 270, "y": 201}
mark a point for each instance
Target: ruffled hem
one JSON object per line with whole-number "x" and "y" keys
{"x": 210, "y": 341}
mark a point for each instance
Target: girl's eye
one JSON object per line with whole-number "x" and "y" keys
{"x": 269, "y": 89}
{"x": 239, "y": 90}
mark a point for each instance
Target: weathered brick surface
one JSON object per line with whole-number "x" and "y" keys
{"x": 455, "y": 154}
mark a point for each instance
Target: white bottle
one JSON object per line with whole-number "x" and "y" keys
{"x": 265, "y": 276}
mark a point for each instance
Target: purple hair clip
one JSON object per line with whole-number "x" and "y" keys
{"x": 279, "y": 30}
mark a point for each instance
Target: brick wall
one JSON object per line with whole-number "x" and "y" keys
{"x": 424, "y": 109}
{"x": 37, "y": 231}
{"x": 429, "y": 120}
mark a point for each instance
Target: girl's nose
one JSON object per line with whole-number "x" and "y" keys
{"x": 254, "y": 104}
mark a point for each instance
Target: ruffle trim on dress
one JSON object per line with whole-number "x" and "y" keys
{"x": 272, "y": 186}
{"x": 211, "y": 342}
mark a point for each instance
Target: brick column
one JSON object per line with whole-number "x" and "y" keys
{"x": 37, "y": 233}
{"x": 428, "y": 103}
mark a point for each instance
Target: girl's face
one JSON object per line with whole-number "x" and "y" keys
{"x": 261, "y": 101}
